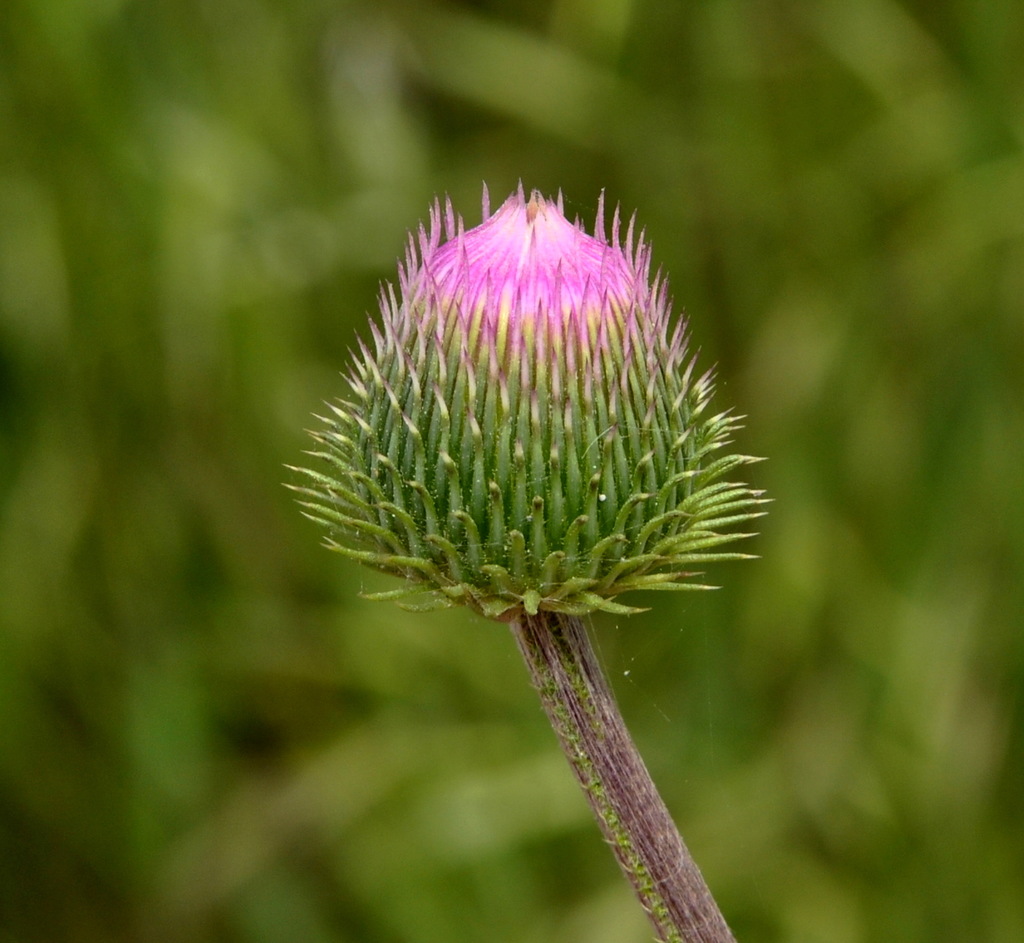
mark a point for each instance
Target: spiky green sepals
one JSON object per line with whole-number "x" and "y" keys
{"x": 513, "y": 448}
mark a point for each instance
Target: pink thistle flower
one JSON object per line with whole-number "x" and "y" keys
{"x": 526, "y": 432}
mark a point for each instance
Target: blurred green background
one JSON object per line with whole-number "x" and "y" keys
{"x": 206, "y": 735}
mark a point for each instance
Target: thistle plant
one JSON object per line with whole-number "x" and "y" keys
{"x": 527, "y": 434}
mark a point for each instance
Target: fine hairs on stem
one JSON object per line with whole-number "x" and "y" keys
{"x": 583, "y": 712}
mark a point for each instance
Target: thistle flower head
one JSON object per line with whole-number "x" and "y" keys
{"x": 525, "y": 431}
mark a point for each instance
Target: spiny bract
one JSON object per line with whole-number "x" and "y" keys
{"x": 524, "y": 433}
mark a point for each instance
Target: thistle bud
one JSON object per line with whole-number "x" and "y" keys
{"x": 525, "y": 431}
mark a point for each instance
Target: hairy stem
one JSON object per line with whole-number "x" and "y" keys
{"x": 582, "y": 709}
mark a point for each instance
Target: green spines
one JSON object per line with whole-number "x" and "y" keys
{"x": 564, "y": 523}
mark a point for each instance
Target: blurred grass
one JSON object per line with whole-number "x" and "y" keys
{"x": 207, "y": 735}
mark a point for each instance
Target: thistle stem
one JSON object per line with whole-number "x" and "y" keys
{"x": 635, "y": 822}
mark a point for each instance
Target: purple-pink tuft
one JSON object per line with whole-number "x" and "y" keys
{"x": 529, "y": 276}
